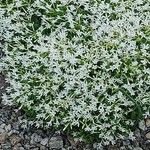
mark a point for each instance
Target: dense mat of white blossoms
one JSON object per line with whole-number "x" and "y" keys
{"x": 78, "y": 64}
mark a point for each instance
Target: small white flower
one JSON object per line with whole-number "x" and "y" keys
{"x": 70, "y": 74}
{"x": 114, "y": 1}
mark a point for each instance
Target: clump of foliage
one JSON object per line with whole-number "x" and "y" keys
{"x": 79, "y": 65}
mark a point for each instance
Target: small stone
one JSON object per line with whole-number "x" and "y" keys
{"x": 148, "y": 122}
{"x": 2, "y": 130}
{"x": 8, "y": 127}
{"x": 13, "y": 132}
{"x": 44, "y": 141}
{"x": 137, "y": 148}
{"x": 148, "y": 135}
{"x": 16, "y": 147}
{"x": 142, "y": 125}
{"x": 126, "y": 142}
{"x": 56, "y": 142}
{"x": 137, "y": 133}
{"x": 43, "y": 148}
{"x": 35, "y": 138}
{"x": 148, "y": 141}
{"x": 21, "y": 148}
{"x": 27, "y": 146}
{"x": 15, "y": 139}
{"x": 6, "y": 146}
{"x": 87, "y": 147}
{"x": 35, "y": 148}
{"x": 15, "y": 126}
{"x": 113, "y": 147}
{"x": 21, "y": 134}
{"x": 3, "y": 137}
{"x": 27, "y": 137}
{"x": 13, "y": 115}
{"x": 2, "y": 126}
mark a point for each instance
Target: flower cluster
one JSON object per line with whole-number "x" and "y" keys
{"x": 78, "y": 64}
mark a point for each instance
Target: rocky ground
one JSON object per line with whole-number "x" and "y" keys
{"x": 17, "y": 134}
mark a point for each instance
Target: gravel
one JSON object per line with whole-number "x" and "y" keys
{"x": 17, "y": 134}
{"x": 14, "y": 137}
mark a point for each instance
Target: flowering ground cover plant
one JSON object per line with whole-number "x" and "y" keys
{"x": 79, "y": 65}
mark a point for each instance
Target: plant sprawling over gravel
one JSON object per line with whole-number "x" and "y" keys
{"x": 79, "y": 65}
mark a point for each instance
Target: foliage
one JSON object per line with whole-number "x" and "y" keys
{"x": 80, "y": 65}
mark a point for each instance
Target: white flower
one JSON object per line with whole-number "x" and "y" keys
{"x": 139, "y": 2}
{"x": 70, "y": 69}
{"x": 115, "y": 1}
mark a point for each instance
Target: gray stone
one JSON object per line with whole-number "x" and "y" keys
{"x": 21, "y": 134}
{"x": 43, "y": 148}
{"x": 44, "y": 141}
{"x": 137, "y": 133}
{"x": 142, "y": 125}
{"x": 15, "y": 139}
{"x": 27, "y": 137}
{"x": 2, "y": 126}
{"x": 137, "y": 148}
{"x": 2, "y": 130}
{"x": 35, "y": 138}
{"x": 27, "y": 146}
{"x": 16, "y": 147}
{"x": 126, "y": 142}
{"x": 6, "y": 146}
{"x": 3, "y": 137}
{"x": 148, "y": 123}
{"x": 13, "y": 132}
{"x": 35, "y": 148}
{"x": 148, "y": 135}
{"x": 8, "y": 128}
{"x": 15, "y": 126}
{"x": 56, "y": 142}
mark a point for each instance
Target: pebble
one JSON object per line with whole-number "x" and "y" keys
{"x": 148, "y": 123}
{"x": 2, "y": 130}
{"x": 21, "y": 148}
{"x": 36, "y": 148}
{"x": 148, "y": 135}
{"x": 15, "y": 139}
{"x": 27, "y": 146}
{"x": 6, "y": 146}
{"x": 2, "y": 126}
{"x": 126, "y": 142}
{"x": 16, "y": 147}
{"x": 8, "y": 128}
{"x": 3, "y": 137}
{"x": 13, "y": 132}
{"x": 113, "y": 147}
{"x": 137, "y": 133}
{"x": 137, "y": 148}
{"x": 35, "y": 138}
{"x": 44, "y": 141}
{"x": 56, "y": 142}
{"x": 142, "y": 125}
{"x": 43, "y": 148}
{"x": 15, "y": 126}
